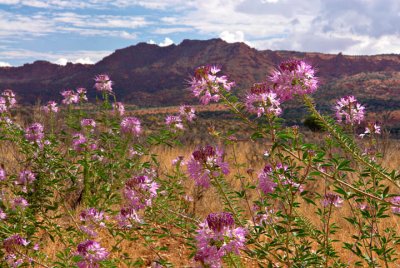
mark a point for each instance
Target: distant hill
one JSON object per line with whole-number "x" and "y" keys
{"x": 149, "y": 75}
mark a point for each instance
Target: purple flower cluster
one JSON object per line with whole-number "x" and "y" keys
{"x": 179, "y": 161}
{"x": 174, "y": 122}
{"x": 2, "y": 174}
{"x": 3, "y": 215}
{"x": 126, "y": 216}
{"x": 26, "y": 177}
{"x": 207, "y": 86}
{"x": 92, "y": 219}
{"x": 119, "y": 108}
{"x": 332, "y": 199}
{"x": 396, "y": 200}
{"x": 131, "y": 126}
{"x": 187, "y": 112}
{"x": 88, "y": 123}
{"x": 51, "y": 107}
{"x": 262, "y": 100}
{"x": 294, "y": 77}
{"x": 12, "y": 243}
{"x": 139, "y": 191}
{"x": 205, "y": 163}
{"x": 265, "y": 181}
{"x": 34, "y": 132}
{"x": 3, "y": 105}
{"x": 19, "y": 202}
{"x": 286, "y": 177}
{"x": 81, "y": 143}
{"x": 8, "y": 97}
{"x": 349, "y": 111}
{"x": 12, "y": 246}
{"x": 70, "y": 97}
{"x": 91, "y": 253}
{"x": 103, "y": 83}
{"x": 217, "y": 237}
{"x": 81, "y": 92}
{"x": 371, "y": 129}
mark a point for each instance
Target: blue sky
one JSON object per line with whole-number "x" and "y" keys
{"x": 86, "y": 31}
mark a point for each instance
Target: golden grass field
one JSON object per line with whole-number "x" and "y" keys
{"x": 248, "y": 153}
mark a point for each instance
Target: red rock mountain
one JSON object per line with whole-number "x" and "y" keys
{"x": 149, "y": 75}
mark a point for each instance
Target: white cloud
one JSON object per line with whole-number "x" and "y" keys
{"x": 61, "y": 61}
{"x": 60, "y": 57}
{"x": 85, "y": 60}
{"x": 350, "y": 26}
{"x": 100, "y": 21}
{"x": 4, "y": 64}
{"x": 269, "y": 1}
{"x": 64, "y": 61}
{"x": 232, "y": 37}
{"x": 99, "y": 32}
{"x": 16, "y": 26}
{"x": 99, "y": 4}
{"x": 167, "y": 42}
{"x": 172, "y": 30}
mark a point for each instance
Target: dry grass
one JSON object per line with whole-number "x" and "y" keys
{"x": 248, "y": 153}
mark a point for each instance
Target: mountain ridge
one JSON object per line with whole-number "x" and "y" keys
{"x": 151, "y": 75}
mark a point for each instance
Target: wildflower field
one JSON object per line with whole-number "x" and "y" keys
{"x": 92, "y": 183}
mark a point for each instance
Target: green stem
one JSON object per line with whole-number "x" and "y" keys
{"x": 227, "y": 200}
{"x": 86, "y": 182}
{"x": 349, "y": 149}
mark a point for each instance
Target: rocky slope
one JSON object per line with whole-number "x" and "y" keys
{"x": 149, "y": 75}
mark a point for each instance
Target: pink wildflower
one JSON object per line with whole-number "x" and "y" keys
{"x": 175, "y": 122}
{"x": 81, "y": 92}
{"x": 266, "y": 184}
{"x": 349, "y": 111}
{"x": 261, "y": 100}
{"x": 332, "y": 199}
{"x": 217, "y": 237}
{"x": 92, "y": 214}
{"x": 2, "y": 174}
{"x": 126, "y": 216}
{"x": 92, "y": 254}
{"x": 26, "y": 177}
{"x": 206, "y": 162}
{"x": 9, "y": 97}
{"x": 14, "y": 241}
{"x": 3, "y": 215}
{"x": 371, "y": 129}
{"x": 34, "y": 132}
{"x": 396, "y": 200}
{"x": 187, "y": 112}
{"x": 70, "y": 97}
{"x": 131, "y": 125}
{"x": 51, "y": 107}
{"x": 103, "y": 83}
{"x": 3, "y": 105}
{"x": 178, "y": 161}
{"x": 207, "y": 86}
{"x": 139, "y": 191}
{"x": 79, "y": 142}
{"x": 19, "y": 202}
{"x": 294, "y": 77}
{"x": 88, "y": 123}
{"x": 92, "y": 219}
{"x": 119, "y": 108}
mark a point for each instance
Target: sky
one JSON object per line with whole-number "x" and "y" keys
{"x": 79, "y": 31}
